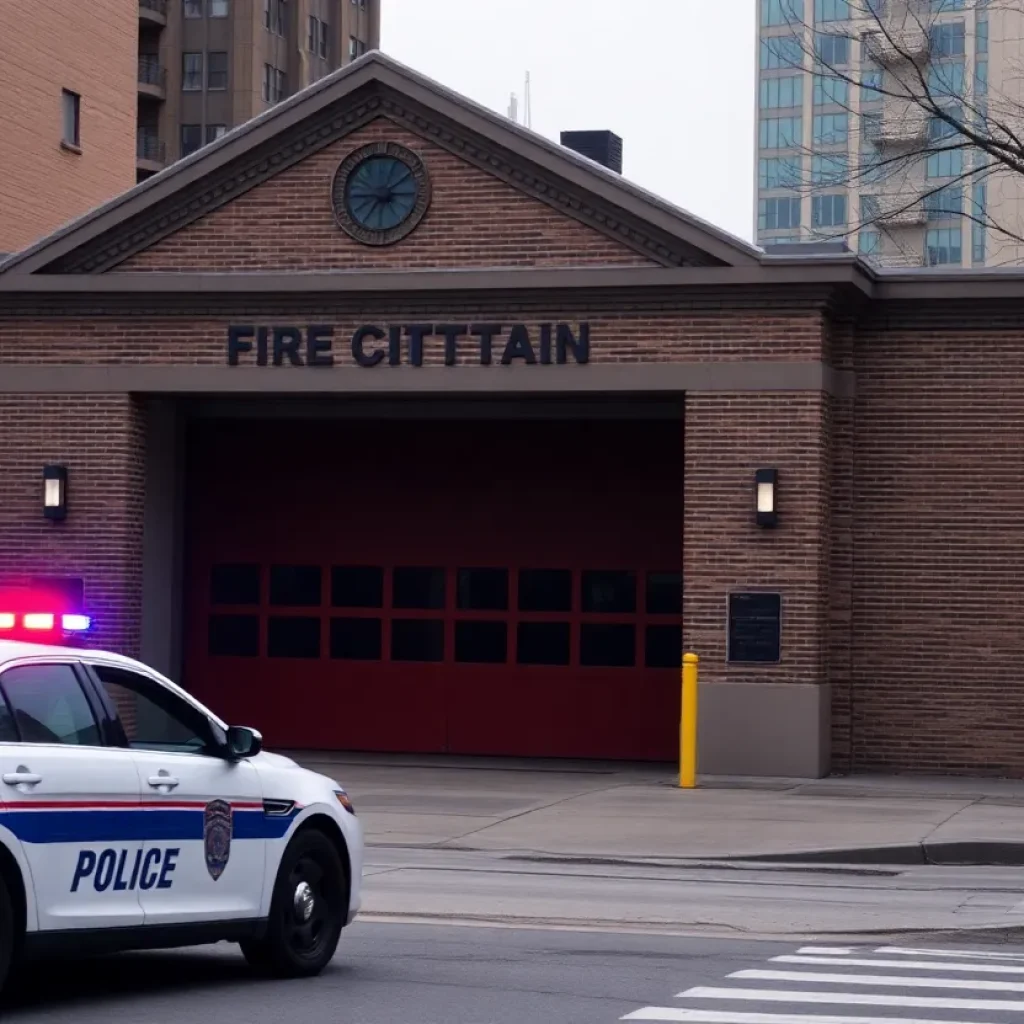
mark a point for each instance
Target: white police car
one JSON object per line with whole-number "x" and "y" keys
{"x": 131, "y": 817}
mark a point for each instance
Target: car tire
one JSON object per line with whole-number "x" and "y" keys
{"x": 307, "y": 910}
{"x": 7, "y": 936}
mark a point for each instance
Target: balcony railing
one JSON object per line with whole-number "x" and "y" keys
{"x": 152, "y": 72}
{"x": 900, "y": 44}
{"x": 900, "y": 210}
{"x": 908, "y": 129}
{"x": 157, "y": 6}
{"x": 148, "y": 147}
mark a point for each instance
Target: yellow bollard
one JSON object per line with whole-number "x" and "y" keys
{"x": 688, "y": 724}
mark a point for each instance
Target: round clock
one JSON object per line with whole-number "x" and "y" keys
{"x": 380, "y": 193}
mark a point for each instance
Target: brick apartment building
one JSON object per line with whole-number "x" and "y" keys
{"x": 67, "y": 112}
{"x": 390, "y": 425}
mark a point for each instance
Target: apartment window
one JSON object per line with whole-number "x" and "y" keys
{"x": 275, "y": 16}
{"x": 939, "y": 128}
{"x": 943, "y": 247}
{"x": 942, "y": 6}
{"x": 981, "y": 78}
{"x": 946, "y": 163}
{"x": 316, "y": 41}
{"x": 356, "y": 47}
{"x": 781, "y": 132}
{"x": 828, "y": 89}
{"x": 71, "y": 115}
{"x": 193, "y": 8}
{"x": 831, "y": 129}
{"x": 191, "y": 138}
{"x": 948, "y": 39}
{"x": 831, "y": 49}
{"x": 192, "y": 72}
{"x": 778, "y": 213}
{"x": 832, "y": 169}
{"x": 945, "y": 203}
{"x": 978, "y": 231}
{"x": 782, "y": 92}
{"x": 981, "y": 37}
{"x": 217, "y": 70}
{"x": 781, "y": 52}
{"x": 831, "y": 10}
{"x": 828, "y": 211}
{"x": 870, "y": 209}
{"x": 869, "y": 243}
{"x": 275, "y": 84}
{"x": 947, "y": 78}
{"x": 781, "y": 12}
{"x": 778, "y": 172}
{"x": 871, "y": 76}
{"x": 215, "y": 131}
{"x": 218, "y": 8}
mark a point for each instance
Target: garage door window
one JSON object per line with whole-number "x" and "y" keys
{"x": 482, "y": 590}
{"x": 357, "y": 586}
{"x": 234, "y": 636}
{"x": 235, "y": 585}
{"x": 417, "y": 640}
{"x": 481, "y": 643}
{"x": 543, "y": 643}
{"x": 356, "y": 639}
{"x": 609, "y": 592}
{"x": 418, "y": 588}
{"x": 295, "y": 586}
{"x": 545, "y": 590}
{"x": 293, "y": 636}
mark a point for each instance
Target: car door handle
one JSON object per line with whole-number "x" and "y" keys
{"x": 160, "y": 781}
{"x": 22, "y": 778}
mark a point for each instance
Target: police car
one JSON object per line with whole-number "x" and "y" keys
{"x": 132, "y": 817}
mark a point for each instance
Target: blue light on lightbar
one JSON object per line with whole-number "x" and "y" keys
{"x": 75, "y": 623}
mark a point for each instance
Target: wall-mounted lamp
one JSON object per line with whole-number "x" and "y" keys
{"x": 765, "y": 496}
{"x": 55, "y": 492}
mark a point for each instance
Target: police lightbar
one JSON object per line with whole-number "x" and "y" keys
{"x": 29, "y": 615}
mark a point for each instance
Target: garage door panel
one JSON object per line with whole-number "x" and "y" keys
{"x": 476, "y": 588}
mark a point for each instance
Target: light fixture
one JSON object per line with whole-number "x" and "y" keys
{"x": 765, "y": 495}
{"x": 55, "y": 492}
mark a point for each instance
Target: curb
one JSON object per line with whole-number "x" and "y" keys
{"x": 967, "y": 853}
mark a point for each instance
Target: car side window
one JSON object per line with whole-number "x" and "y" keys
{"x": 154, "y": 718}
{"x": 48, "y": 705}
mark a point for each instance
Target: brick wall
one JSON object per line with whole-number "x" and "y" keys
{"x": 475, "y": 220}
{"x": 727, "y": 438}
{"x": 100, "y": 440}
{"x": 89, "y": 48}
{"x": 939, "y": 545}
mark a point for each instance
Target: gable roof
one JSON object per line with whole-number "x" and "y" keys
{"x": 580, "y": 187}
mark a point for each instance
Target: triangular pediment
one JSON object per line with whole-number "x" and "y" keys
{"x": 538, "y": 203}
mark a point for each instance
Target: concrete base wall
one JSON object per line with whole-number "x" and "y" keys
{"x": 768, "y": 729}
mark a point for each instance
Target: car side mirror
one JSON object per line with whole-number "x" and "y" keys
{"x": 243, "y": 742}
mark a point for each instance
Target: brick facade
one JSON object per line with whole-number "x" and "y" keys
{"x": 286, "y": 223}
{"x": 900, "y": 545}
{"x": 90, "y": 49}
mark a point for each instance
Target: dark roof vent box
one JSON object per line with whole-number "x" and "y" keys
{"x": 603, "y": 147}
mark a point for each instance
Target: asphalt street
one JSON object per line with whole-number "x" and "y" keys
{"x": 432, "y": 974}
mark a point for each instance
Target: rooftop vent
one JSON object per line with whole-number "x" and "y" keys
{"x": 603, "y": 147}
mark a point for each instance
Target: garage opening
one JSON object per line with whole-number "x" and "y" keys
{"x": 467, "y": 586}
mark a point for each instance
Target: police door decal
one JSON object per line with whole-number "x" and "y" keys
{"x": 218, "y": 826}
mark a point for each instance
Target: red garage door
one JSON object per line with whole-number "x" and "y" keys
{"x": 469, "y": 587}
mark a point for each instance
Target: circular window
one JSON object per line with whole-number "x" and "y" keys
{"x": 381, "y": 193}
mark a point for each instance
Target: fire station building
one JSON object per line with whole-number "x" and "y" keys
{"x": 384, "y": 424}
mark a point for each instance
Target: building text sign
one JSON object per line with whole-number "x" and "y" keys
{"x": 404, "y": 344}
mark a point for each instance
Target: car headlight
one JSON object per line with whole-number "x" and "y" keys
{"x": 345, "y": 800}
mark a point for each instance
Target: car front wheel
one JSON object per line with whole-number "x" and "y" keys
{"x": 307, "y": 911}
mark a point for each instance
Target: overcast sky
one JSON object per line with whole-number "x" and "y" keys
{"x": 674, "y": 78}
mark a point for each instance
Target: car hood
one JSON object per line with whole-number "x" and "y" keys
{"x": 265, "y": 759}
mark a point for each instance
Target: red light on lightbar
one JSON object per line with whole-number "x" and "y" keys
{"x": 38, "y": 620}
{"x": 7, "y": 620}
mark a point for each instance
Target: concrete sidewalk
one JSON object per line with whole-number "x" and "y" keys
{"x": 615, "y": 812}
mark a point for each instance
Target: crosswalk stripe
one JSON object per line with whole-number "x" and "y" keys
{"x": 916, "y": 965}
{"x": 672, "y": 1013}
{"x": 883, "y": 980}
{"x": 771, "y": 995}
{"x": 956, "y": 954}
{"x": 827, "y": 950}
